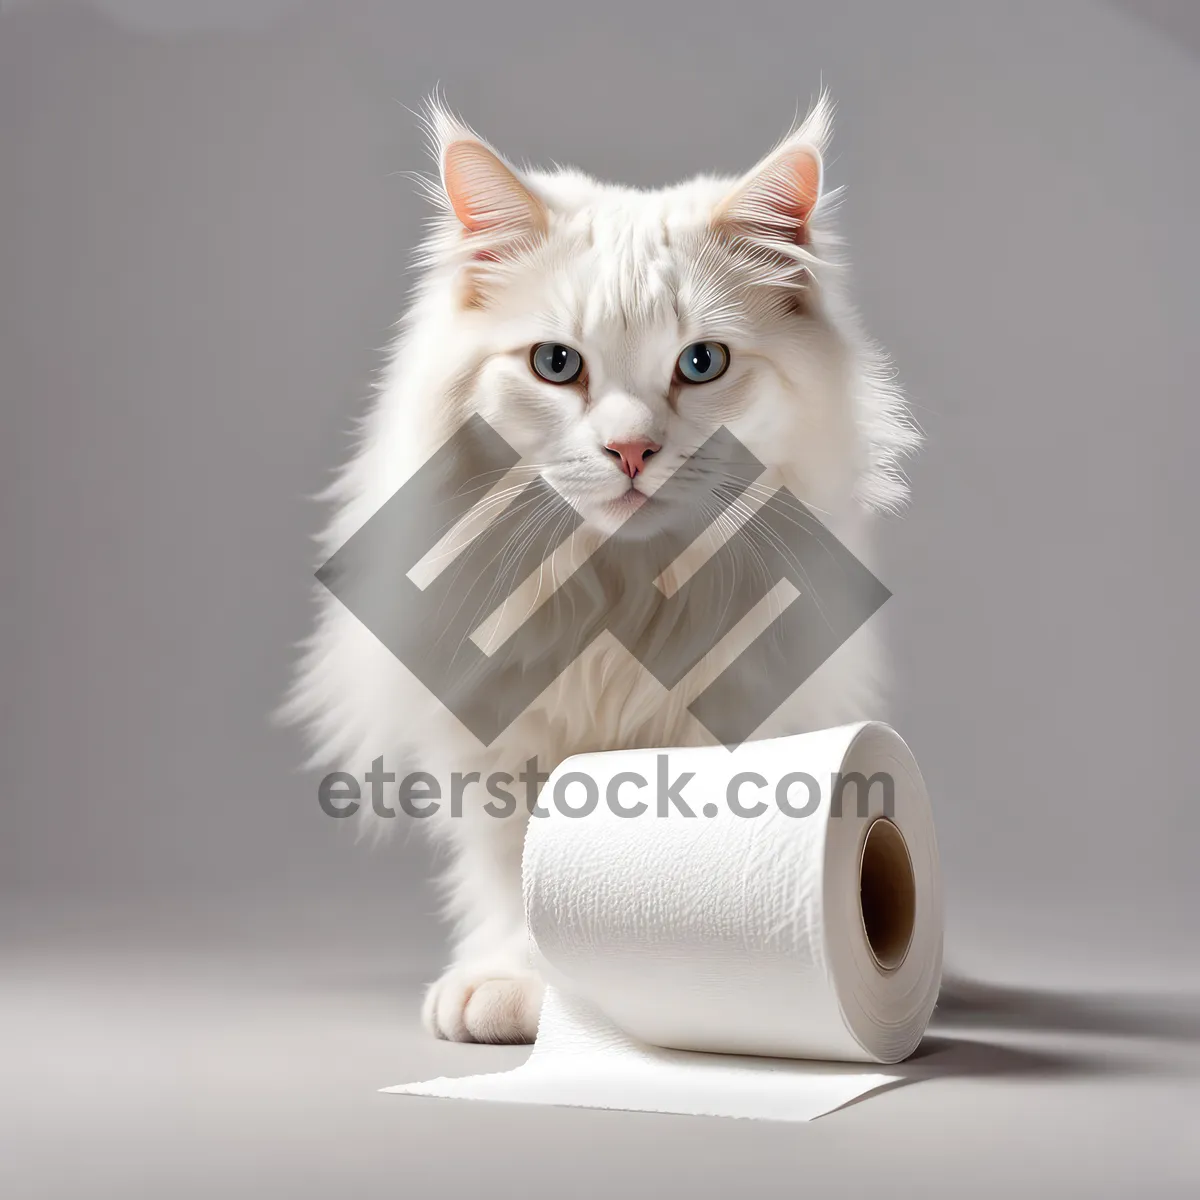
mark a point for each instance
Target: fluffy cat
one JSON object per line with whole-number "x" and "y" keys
{"x": 604, "y": 331}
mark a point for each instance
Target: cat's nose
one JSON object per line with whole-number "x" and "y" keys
{"x": 632, "y": 455}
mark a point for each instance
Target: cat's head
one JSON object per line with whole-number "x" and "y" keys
{"x": 606, "y": 332}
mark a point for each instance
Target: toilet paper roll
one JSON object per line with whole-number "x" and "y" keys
{"x": 702, "y": 914}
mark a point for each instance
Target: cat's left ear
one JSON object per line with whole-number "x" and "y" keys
{"x": 775, "y": 202}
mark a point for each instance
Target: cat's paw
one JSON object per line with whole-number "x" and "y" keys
{"x": 484, "y": 1003}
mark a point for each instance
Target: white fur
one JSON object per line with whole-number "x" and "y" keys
{"x": 628, "y": 278}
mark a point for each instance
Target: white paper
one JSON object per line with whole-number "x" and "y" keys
{"x": 720, "y": 965}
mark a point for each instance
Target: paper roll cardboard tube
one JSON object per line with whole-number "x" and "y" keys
{"x": 887, "y": 893}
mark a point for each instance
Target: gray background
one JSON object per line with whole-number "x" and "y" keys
{"x": 204, "y": 237}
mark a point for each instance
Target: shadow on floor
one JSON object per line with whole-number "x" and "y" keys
{"x": 939, "y": 1057}
{"x": 967, "y": 1003}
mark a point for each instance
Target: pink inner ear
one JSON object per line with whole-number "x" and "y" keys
{"x": 485, "y": 194}
{"x": 458, "y": 166}
{"x": 776, "y": 201}
{"x": 805, "y": 170}
{"x": 798, "y": 188}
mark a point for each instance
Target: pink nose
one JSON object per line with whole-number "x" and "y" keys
{"x": 632, "y": 455}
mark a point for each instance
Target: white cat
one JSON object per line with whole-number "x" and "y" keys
{"x": 604, "y": 331}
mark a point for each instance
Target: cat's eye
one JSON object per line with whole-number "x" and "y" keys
{"x": 556, "y": 363}
{"x": 702, "y": 362}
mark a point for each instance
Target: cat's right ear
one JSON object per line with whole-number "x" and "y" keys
{"x": 486, "y": 195}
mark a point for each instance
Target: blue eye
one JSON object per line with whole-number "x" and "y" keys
{"x": 555, "y": 363}
{"x": 702, "y": 362}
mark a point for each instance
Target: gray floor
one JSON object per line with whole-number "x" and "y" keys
{"x": 156, "y": 1058}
